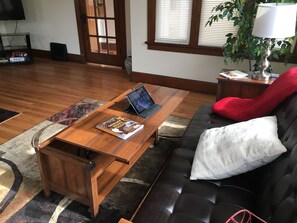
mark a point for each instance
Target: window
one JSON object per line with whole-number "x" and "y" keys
{"x": 173, "y": 21}
{"x": 214, "y": 35}
{"x": 179, "y": 25}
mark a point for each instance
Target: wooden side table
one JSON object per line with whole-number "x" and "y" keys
{"x": 243, "y": 87}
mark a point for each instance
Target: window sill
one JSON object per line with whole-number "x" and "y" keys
{"x": 213, "y": 51}
{"x": 203, "y": 50}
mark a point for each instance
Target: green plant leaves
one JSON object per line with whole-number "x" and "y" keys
{"x": 242, "y": 45}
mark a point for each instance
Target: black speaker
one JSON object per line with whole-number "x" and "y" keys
{"x": 59, "y": 51}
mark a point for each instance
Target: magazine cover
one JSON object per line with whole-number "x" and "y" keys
{"x": 232, "y": 74}
{"x": 120, "y": 127}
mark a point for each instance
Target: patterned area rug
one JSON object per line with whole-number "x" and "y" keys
{"x": 76, "y": 111}
{"x": 20, "y": 189}
{"x": 6, "y": 114}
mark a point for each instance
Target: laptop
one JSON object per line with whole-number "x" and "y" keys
{"x": 142, "y": 103}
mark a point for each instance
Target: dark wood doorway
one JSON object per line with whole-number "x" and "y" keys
{"x": 102, "y": 31}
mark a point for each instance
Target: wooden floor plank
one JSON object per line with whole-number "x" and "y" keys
{"x": 46, "y": 87}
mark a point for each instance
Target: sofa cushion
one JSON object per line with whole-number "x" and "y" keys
{"x": 173, "y": 192}
{"x": 239, "y": 109}
{"x": 174, "y": 198}
{"x": 237, "y": 148}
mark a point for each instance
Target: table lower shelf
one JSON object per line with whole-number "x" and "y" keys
{"x": 87, "y": 178}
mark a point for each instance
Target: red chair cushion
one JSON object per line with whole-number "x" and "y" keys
{"x": 240, "y": 109}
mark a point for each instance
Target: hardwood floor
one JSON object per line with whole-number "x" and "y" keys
{"x": 45, "y": 87}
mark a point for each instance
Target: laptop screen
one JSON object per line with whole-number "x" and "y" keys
{"x": 140, "y": 99}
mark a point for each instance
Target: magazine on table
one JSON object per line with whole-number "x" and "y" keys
{"x": 232, "y": 74}
{"x": 121, "y": 127}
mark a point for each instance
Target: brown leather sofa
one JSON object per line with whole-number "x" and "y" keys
{"x": 269, "y": 191}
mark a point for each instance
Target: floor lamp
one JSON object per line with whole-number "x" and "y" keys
{"x": 273, "y": 20}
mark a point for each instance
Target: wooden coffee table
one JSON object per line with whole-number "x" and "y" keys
{"x": 85, "y": 163}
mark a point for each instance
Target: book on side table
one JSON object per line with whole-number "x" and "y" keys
{"x": 233, "y": 74}
{"x": 120, "y": 127}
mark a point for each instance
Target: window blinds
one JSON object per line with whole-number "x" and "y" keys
{"x": 214, "y": 35}
{"x": 173, "y": 20}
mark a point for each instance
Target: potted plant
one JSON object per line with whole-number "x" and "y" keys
{"x": 242, "y": 45}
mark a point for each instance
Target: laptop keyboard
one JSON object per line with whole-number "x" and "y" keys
{"x": 150, "y": 111}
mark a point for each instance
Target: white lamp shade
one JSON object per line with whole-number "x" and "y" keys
{"x": 275, "y": 20}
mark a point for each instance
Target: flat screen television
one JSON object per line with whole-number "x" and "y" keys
{"x": 11, "y": 10}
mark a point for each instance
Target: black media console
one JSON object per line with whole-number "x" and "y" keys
{"x": 15, "y": 48}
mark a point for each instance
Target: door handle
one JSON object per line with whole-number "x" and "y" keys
{"x": 83, "y": 17}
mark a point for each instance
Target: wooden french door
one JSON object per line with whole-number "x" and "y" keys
{"x": 103, "y": 30}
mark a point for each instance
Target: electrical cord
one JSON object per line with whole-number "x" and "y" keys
{"x": 15, "y": 30}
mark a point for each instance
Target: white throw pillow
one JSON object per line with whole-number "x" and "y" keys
{"x": 237, "y": 148}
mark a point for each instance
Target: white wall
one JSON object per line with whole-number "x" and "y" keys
{"x": 55, "y": 21}
{"x": 128, "y": 27}
{"x": 181, "y": 65}
{"x": 49, "y": 21}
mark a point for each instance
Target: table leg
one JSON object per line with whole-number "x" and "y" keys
{"x": 157, "y": 139}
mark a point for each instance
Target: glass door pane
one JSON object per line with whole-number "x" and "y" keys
{"x": 109, "y": 8}
{"x": 112, "y": 46}
{"x": 103, "y": 45}
{"x": 92, "y": 27}
{"x": 100, "y": 8}
{"x": 111, "y": 28}
{"x": 101, "y": 26}
{"x": 94, "y": 44}
{"x": 90, "y": 7}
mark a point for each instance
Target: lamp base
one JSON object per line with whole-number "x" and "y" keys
{"x": 261, "y": 75}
